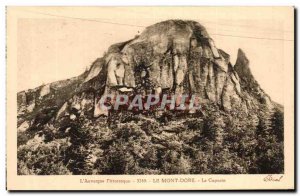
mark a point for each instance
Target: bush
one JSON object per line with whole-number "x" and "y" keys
{"x": 42, "y": 159}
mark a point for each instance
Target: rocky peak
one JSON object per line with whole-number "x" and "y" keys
{"x": 242, "y": 58}
{"x": 242, "y": 66}
{"x": 171, "y": 57}
{"x": 174, "y": 56}
{"x": 248, "y": 82}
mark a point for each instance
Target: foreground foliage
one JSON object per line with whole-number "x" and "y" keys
{"x": 216, "y": 142}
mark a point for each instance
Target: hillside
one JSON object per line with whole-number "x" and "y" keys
{"x": 237, "y": 129}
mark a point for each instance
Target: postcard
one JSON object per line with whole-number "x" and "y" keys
{"x": 150, "y": 98}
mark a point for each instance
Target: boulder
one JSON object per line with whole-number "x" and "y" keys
{"x": 45, "y": 90}
{"x": 62, "y": 111}
{"x": 24, "y": 126}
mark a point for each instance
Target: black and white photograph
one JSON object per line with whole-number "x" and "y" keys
{"x": 199, "y": 93}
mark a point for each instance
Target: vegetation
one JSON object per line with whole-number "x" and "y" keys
{"x": 216, "y": 142}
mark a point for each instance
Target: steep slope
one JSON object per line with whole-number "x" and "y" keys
{"x": 171, "y": 57}
{"x": 248, "y": 82}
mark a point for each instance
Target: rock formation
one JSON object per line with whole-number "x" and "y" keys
{"x": 173, "y": 57}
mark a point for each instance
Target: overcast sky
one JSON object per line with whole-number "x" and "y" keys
{"x": 59, "y": 43}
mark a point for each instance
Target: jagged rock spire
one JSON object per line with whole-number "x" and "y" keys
{"x": 248, "y": 82}
{"x": 242, "y": 65}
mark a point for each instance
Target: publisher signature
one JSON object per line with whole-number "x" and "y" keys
{"x": 271, "y": 178}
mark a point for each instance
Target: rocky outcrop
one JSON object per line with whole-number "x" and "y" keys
{"x": 61, "y": 129}
{"x": 45, "y": 90}
{"x": 177, "y": 56}
{"x": 174, "y": 57}
{"x": 247, "y": 81}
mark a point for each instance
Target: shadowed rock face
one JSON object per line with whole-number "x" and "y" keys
{"x": 178, "y": 56}
{"x": 173, "y": 56}
{"x": 248, "y": 82}
{"x": 162, "y": 53}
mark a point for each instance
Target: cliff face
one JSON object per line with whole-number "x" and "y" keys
{"x": 177, "y": 57}
{"x": 173, "y": 57}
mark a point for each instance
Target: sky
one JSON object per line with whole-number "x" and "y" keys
{"x": 58, "y": 43}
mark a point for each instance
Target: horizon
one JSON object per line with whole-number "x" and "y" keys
{"x": 71, "y": 44}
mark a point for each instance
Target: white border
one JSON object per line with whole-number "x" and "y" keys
{"x": 4, "y": 3}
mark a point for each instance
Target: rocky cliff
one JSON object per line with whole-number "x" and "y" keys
{"x": 173, "y": 57}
